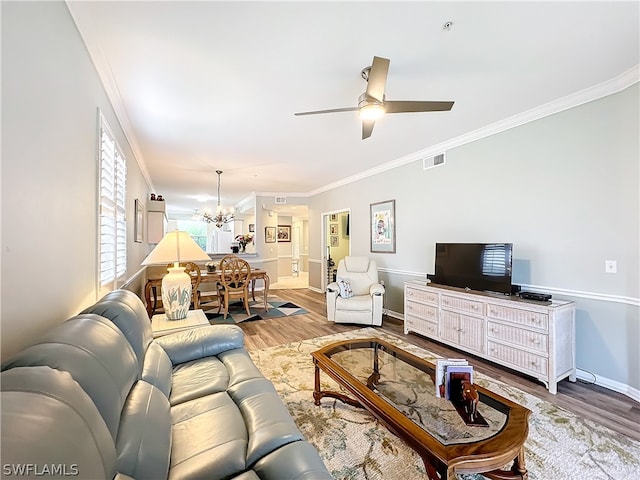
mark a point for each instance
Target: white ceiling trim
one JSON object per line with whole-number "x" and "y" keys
{"x": 609, "y": 87}
{"x": 247, "y": 203}
{"x": 280, "y": 194}
{"x": 100, "y": 62}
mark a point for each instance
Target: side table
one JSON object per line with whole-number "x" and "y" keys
{"x": 161, "y": 326}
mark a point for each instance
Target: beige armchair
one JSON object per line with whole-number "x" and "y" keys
{"x": 355, "y": 296}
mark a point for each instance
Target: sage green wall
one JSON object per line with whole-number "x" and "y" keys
{"x": 564, "y": 189}
{"x": 51, "y": 93}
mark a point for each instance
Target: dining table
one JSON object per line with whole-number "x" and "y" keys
{"x": 152, "y": 284}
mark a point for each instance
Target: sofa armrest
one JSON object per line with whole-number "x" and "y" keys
{"x": 333, "y": 287}
{"x": 201, "y": 342}
{"x": 376, "y": 289}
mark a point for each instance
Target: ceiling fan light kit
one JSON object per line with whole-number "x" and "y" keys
{"x": 372, "y": 103}
{"x": 370, "y": 109}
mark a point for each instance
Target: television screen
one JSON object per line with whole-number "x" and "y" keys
{"x": 476, "y": 266}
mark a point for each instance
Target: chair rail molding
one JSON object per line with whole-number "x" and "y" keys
{"x": 603, "y": 297}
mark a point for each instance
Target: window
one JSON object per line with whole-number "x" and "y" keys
{"x": 112, "y": 200}
{"x": 196, "y": 230}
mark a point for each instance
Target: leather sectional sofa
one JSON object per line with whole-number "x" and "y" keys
{"x": 98, "y": 398}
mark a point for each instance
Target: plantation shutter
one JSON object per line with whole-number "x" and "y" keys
{"x": 494, "y": 260}
{"x": 113, "y": 225}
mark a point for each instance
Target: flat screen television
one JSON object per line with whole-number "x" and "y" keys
{"x": 476, "y": 266}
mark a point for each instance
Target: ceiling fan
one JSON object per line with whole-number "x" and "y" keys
{"x": 372, "y": 103}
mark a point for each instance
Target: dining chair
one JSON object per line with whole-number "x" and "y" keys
{"x": 209, "y": 293}
{"x": 235, "y": 279}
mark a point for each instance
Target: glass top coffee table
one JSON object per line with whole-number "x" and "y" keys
{"x": 398, "y": 388}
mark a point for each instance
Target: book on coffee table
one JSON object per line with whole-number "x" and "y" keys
{"x": 454, "y": 375}
{"x": 441, "y": 365}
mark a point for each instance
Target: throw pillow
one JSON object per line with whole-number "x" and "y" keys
{"x": 345, "y": 288}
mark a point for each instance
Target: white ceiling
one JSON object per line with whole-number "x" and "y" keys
{"x": 201, "y": 86}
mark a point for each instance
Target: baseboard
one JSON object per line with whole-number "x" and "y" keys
{"x": 315, "y": 289}
{"x": 391, "y": 313}
{"x": 609, "y": 384}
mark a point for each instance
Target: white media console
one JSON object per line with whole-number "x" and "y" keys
{"x": 535, "y": 338}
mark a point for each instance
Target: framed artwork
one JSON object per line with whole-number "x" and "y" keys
{"x": 269, "y": 234}
{"x": 335, "y": 241}
{"x": 383, "y": 227}
{"x": 284, "y": 233}
{"x": 333, "y": 217}
{"x": 252, "y": 227}
{"x": 138, "y": 227}
{"x": 333, "y": 229}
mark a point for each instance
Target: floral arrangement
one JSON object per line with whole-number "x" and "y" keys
{"x": 243, "y": 240}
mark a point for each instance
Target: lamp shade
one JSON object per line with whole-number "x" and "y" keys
{"x": 176, "y": 247}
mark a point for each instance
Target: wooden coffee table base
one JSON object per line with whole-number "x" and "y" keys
{"x": 436, "y": 469}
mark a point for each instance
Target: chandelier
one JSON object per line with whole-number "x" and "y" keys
{"x": 222, "y": 215}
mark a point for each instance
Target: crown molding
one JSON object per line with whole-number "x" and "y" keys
{"x": 246, "y": 203}
{"x": 601, "y": 90}
{"x": 99, "y": 60}
{"x": 280, "y": 194}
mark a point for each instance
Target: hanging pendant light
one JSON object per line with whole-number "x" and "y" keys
{"x": 222, "y": 215}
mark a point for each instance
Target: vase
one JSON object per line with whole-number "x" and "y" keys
{"x": 176, "y": 293}
{"x": 244, "y": 249}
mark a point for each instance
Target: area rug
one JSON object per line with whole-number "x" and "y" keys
{"x": 355, "y": 446}
{"x": 277, "y": 308}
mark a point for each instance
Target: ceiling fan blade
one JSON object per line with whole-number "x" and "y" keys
{"x": 333, "y": 110}
{"x": 367, "y": 128}
{"x": 407, "y": 106}
{"x": 377, "y": 78}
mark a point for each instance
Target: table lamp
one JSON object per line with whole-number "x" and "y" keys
{"x": 176, "y": 247}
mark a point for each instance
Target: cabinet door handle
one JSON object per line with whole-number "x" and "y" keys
{"x": 535, "y": 341}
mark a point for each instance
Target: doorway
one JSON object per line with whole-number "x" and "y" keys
{"x": 297, "y": 276}
{"x": 292, "y": 253}
{"x": 336, "y": 242}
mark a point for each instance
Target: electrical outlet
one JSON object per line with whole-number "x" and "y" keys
{"x": 610, "y": 266}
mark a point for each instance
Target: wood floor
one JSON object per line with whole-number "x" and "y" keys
{"x": 616, "y": 411}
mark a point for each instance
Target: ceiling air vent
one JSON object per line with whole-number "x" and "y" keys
{"x": 281, "y": 200}
{"x": 433, "y": 161}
